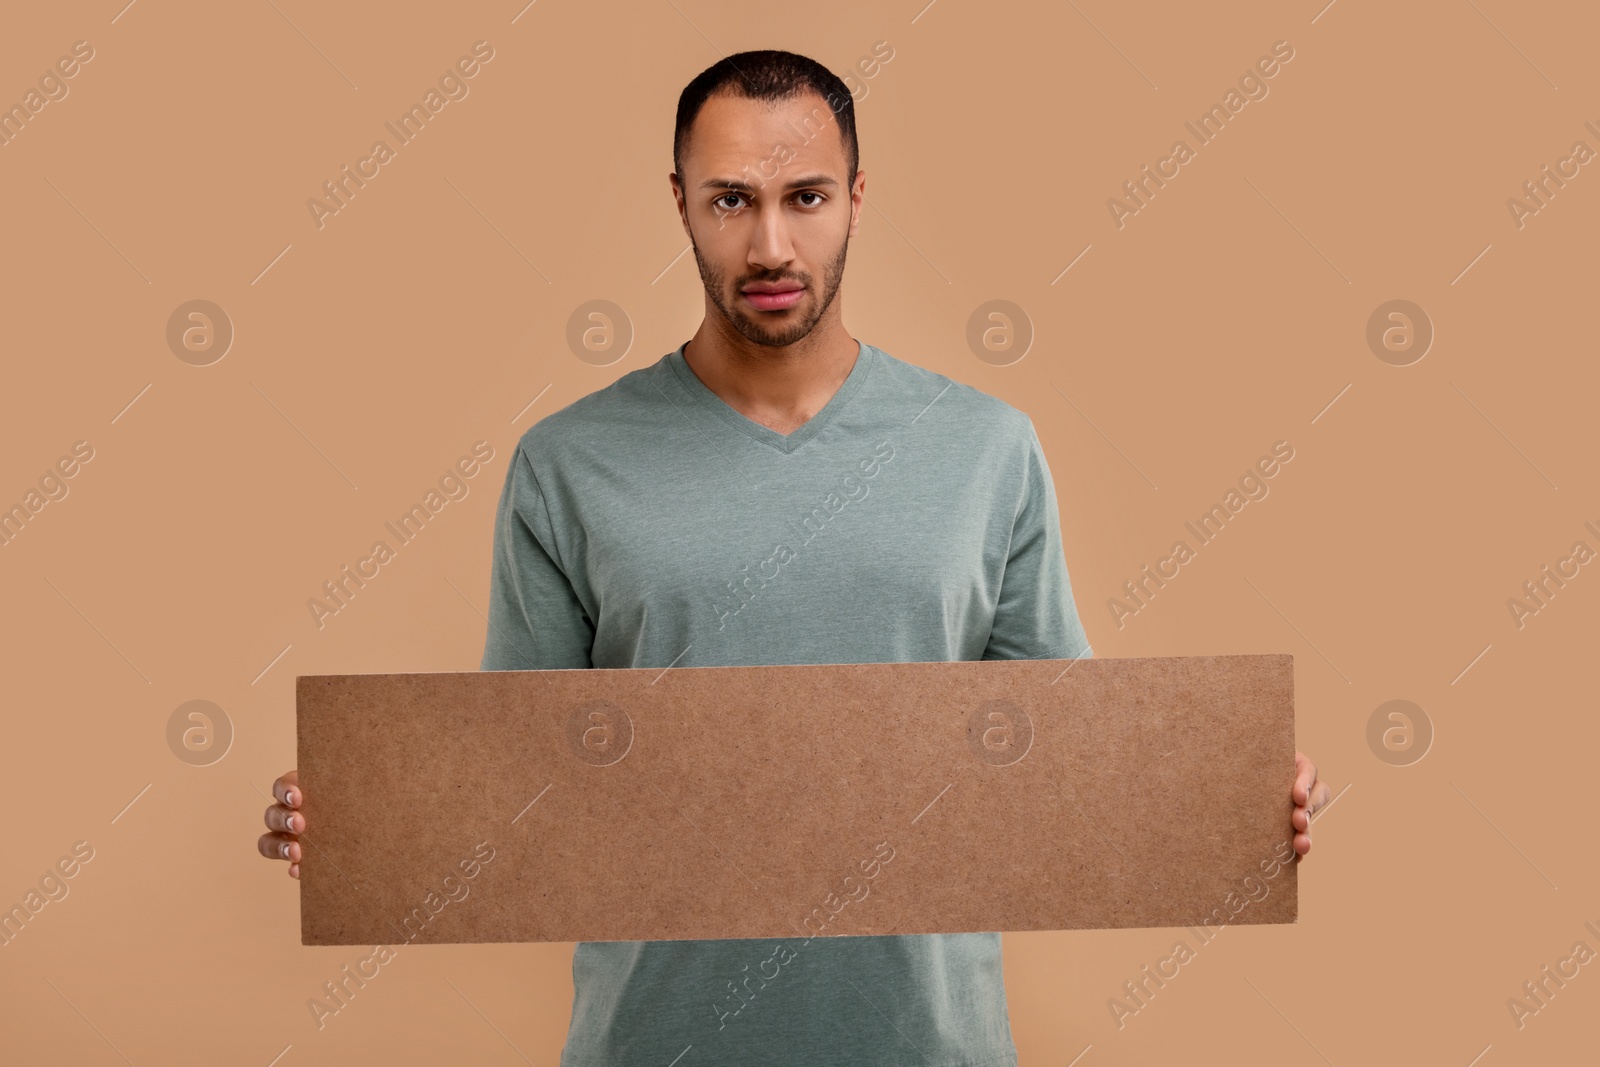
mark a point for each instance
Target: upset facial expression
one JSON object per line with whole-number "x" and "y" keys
{"x": 769, "y": 207}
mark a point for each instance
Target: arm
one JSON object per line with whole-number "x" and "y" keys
{"x": 536, "y": 621}
{"x": 1036, "y": 617}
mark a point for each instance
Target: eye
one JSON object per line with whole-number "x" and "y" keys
{"x": 720, "y": 200}
{"x": 808, "y": 192}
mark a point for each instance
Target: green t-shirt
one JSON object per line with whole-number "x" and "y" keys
{"x": 649, "y": 524}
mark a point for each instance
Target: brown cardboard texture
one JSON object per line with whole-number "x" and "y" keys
{"x": 796, "y": 801}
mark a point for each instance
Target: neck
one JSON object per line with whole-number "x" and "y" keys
{"x": 779, "y": 387}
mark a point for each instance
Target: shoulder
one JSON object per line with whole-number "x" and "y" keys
{"x": 609, "y": 414}
{"x": 953, "y": 406}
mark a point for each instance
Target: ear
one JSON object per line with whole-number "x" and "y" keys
{"x": 677, "y": 195}
{"x": 858, "y": 196}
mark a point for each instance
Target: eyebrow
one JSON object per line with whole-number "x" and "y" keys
{"x": 797, "y": 183}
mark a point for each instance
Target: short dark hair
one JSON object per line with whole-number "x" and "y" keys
{"x": 768, "y": 74}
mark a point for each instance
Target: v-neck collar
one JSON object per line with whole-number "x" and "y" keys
{"x": 710, "y": 401}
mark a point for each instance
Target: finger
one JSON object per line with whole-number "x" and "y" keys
{"x": 1305, "y": 776}
{"x": 285, "y": 820}
{"x": 294, "y": 870}
{"x": 287, "y": 789}
{"x": 279, "y": 847}
{"x": 1302, "y": 843}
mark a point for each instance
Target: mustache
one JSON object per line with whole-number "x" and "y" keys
{"x": 796, "y": 279}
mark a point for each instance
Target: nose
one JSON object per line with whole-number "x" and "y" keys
{"x": 770, "y": 245}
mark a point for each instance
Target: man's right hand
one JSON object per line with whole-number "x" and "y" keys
{"x": 287, "y": 821}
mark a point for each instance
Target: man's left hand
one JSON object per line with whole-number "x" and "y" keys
{"x": 1309, "y": 795}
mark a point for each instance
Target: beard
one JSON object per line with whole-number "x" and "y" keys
{"x": 754, "y": 328}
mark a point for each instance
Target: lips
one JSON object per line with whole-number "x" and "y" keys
{"x": 774, "y": 296}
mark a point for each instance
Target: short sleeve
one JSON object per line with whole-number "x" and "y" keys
{"x": 1036, "y": 617}
{"x": 536, "y": 621}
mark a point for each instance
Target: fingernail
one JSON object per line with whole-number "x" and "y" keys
{"x": 289, "y": 795}
{"x": 290, "y": 823}
{"x": 283, "y": 850}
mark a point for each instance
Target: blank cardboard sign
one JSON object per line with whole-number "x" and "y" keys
{"x": 816, "y": 800}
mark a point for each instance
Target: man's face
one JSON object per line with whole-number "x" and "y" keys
{"x": 767, "y": 203}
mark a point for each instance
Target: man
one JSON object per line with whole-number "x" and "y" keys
{"x": 774, "y": 491}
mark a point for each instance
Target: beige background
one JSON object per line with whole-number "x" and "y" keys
{"x": 1228, "y": 314}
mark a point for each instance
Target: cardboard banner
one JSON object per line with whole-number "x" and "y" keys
{"x": 807, "y": 801}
